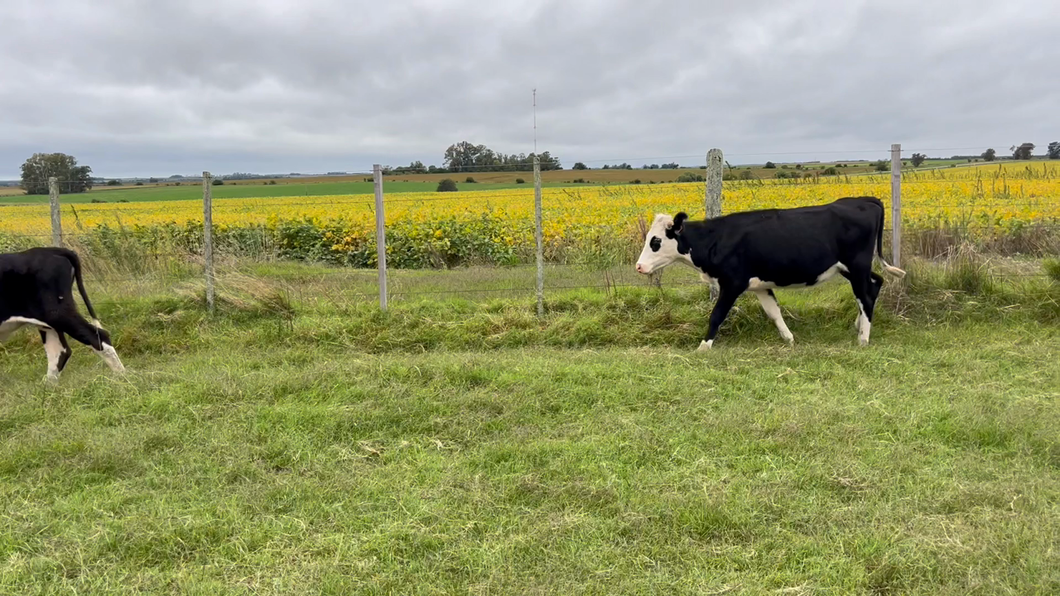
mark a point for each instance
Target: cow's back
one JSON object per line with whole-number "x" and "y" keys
{"x": 34, "y": 280}
{"x": 790, "y": 246}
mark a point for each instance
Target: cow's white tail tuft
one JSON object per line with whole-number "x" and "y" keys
{"x": 889, "y": 268}
{"x": 899, "y": 273}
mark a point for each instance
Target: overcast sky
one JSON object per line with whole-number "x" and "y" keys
{"x": 272, "y": 86}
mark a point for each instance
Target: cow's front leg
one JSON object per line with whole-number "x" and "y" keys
{"x": 713, "y": 283}
{"x": 726, "y": 299}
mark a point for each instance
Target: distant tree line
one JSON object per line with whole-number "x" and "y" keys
{"x": 1024, "y": 151}
{"x": 41, "y": 166}
{"x": 244, "y": 176}
{"x": 465, "y": 156}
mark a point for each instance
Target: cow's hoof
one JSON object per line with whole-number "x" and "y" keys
{"x": 790, "y": 339}
{"x": 705, "y": 346}
{"x": 863, "y": 342}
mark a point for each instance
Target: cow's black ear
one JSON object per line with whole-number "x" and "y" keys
{"x": 679, "y": 221}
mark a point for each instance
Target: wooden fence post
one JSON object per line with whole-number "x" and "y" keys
{"x": 715, "y": 167}
{"x": 896, "y": 204}
{"x": 207, "y": 237}
{"x": 380, "y": 234}
{"x": 712, "y": 201}
{"x": 57, "y": 223}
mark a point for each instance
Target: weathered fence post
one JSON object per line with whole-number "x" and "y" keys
{"x": 712, "y": 200}
{"x": 380, "y": 233}
{"x": 896, "y": 204}
{"x": 57, "y": 223}
{"x": 539, "y": 240}
{"x": 207, "y": 237}
{"x": 715, "y": 166}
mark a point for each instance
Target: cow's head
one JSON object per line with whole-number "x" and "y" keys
{"x": 663, "y": 244}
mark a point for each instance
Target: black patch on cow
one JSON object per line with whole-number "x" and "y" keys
{"x": 679, "y": 221}
{"x": 655, "y": 244}
{"x": 673, "y": 232}
{"x": 682, "y": 245}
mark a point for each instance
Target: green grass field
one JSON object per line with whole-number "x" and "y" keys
{"x": 301, "y": 441}
{"x": 227, "y": 191}
{"x": 193, "y": 192}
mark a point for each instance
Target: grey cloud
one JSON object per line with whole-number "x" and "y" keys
{"x": 148, "y": 87}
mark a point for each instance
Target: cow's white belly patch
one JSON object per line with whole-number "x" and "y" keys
{"x": 831, "y": 271}
{"x": 13, "y": 324}
{"x": 756, "y": 284}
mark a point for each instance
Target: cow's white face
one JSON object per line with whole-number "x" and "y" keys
{"x": 661, "y": 246}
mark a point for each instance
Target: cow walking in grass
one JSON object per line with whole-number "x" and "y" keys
{"x": 36, "y": 289}
{"x": 759, "y": 251}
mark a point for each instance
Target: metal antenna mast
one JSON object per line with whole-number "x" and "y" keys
{"x": 535, "y": 121}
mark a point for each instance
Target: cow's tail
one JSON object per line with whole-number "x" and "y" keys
{"x": 887, "y": 267}
{"x": 76, "y": 262}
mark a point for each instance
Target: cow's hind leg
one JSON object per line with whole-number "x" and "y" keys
{"x": 98, "y": 339}
{"x": 65, "y": 357}
{"x": 769, "y": 304}
{"x": 865, "y": 293}
{"x": 57, "y": 350}
{"x": 874, "y": 287}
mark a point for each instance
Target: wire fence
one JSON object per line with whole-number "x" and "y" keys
{"x": 323, "y": 236}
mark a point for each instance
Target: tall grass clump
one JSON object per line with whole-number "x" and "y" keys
{"x": 1052, "y": 269}
{"x": 968, "y": 283}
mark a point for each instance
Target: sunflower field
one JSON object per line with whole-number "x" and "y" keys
{"x": 998, "y": 205}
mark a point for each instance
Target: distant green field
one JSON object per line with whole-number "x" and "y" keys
{"x": 246, "y": 190}
{"x": 487, "y": 181}
{"x": 228, "y": 191}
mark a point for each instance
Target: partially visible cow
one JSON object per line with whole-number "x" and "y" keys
{"x": 36, "y": 289}
{"x": 761, "y": 250}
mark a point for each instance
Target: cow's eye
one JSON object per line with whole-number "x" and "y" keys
{"x": 655, "y": 244}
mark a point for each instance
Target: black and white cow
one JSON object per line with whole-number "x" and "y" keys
{"x": 36, "y": 289}
{"x": 761, "y": 250}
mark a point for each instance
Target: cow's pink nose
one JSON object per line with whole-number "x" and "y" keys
{"x": 640, "y": 268}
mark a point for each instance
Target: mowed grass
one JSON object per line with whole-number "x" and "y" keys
{"x": 307, "y": 443}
